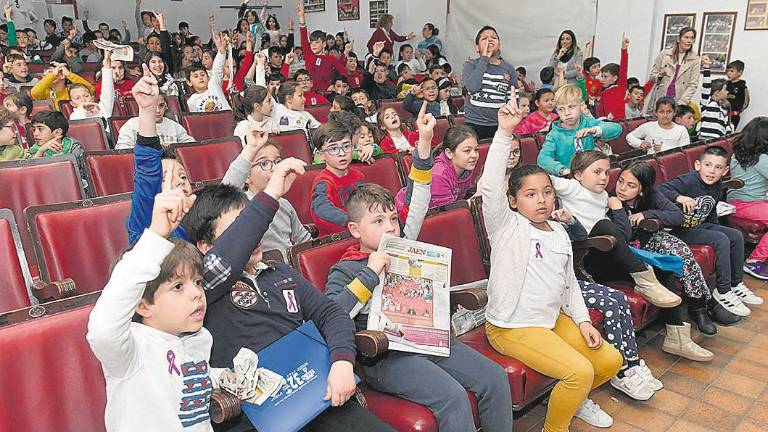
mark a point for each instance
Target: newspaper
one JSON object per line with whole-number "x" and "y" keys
{"x": 412, "y": 305}
{"x": 119, "y": 52}
{"x": 464, "y": 320}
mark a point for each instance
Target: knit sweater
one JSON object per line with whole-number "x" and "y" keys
{"x": 510, "y": 237}
{"x": 587, "y": 206}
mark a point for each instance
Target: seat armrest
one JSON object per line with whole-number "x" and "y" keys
{"x": 371, "y": 343}
{"x": 733, "y": 184}
{"x": 469, "y": 298}
{"x": 312, "y": 228}
{"x": 224, "y": 406}
{"x": 56, "y": 290}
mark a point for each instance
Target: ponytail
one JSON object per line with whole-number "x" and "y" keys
{"x": 255, "y": 94}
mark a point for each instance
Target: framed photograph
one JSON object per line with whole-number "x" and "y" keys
{"x": 673, "y": 23}
{"x": 378, "y": 8}
{"x": 757, "y": 15}
{"x": 716, "y": 38}
{"x": 349, "y": 10}
{"x": 314, "y": 5}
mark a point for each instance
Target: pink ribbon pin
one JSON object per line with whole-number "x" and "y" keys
{"x": 171, "y": 357}
{"x": 538, "y": 251}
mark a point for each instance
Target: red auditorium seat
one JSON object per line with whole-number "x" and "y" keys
{"x": 404, "y": 163}
{"x": 478, "y": 171}
{"x": 79, "y": 240}
{"x": 293, "y": 144}
{"x": 36, "y": 68}
{"x": 65, "y": 107}
{"x": 693, "y": 153}
{"x": 300, "y": 194}
{"x": 208, "y": 160}
{"x": 110, "y": 172}
{"x": 209, "y": 125}
{"x": 319, "y": 112}
{"x": 15, "y": 277}
{"x": 38, "y": 106}
{"x": 620, "y": 145}
{"x": 116, "y": 123}
{"x": 441, "y": 127}
{"x": 90, "y": 133}
{"x": 174, "y": 107}
{"x": 404, "y": 114}
{"x": 632, "y": 124}
{"x": 613, "y": 177}
{"x": 458, "y": 102}
{"x": 29, "y": 182}
{"x": 529, "y": 150}
{"x": 659, "y": 174}
{"x": 456, "y": 119}
{"x": 91, "y": 66}
{"x": 383, "y": 172}
{"x": 673, "y": 164}
{"x": 131, "y": 108}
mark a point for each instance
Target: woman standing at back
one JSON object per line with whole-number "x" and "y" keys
{"x": 676, "y": 71}
{"x": 385, "y": 33}
{"x": 568, "y": 53}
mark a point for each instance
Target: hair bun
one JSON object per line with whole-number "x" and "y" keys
{"x": 435, "y": 31}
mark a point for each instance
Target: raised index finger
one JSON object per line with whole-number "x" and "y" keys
{"x": 422, "y": 111}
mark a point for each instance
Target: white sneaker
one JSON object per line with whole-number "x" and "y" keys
{"x": 648, "y": 377}
{"x": 591, "y": 413}
{"x": 746, "y": 295}
{"x": 632, "y": 384}
{"x": 731, "y": 302}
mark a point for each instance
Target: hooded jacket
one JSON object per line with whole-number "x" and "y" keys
{"x": 561, "y": 144}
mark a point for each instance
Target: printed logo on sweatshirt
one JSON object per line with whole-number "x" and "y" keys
{"x": 243, "y": 296}
{"x": 210, "y": 103}
{"x": 195, "y": 393}
{"x": 705, "y": 204}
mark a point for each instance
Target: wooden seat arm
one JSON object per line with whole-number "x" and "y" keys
{"x": 469, "y": 298}
{"x": 56, "y": 290}
{"x": 651, "y": 225}
{"x": 312, "y": 228}
{"x": 603, "y": 243}
{"x": 224, "y": 406}
{"x": 733, "y": 184}
{"x": 371, "y": 343}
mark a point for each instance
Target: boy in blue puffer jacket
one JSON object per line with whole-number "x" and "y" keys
{"x": 573, "y": 132}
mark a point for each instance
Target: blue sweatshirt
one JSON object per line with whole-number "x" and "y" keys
{"x": 560, "y": 144}
{"x": 706, "y": 196}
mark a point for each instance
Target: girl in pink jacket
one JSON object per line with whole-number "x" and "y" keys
{"x": 542, "y": 118}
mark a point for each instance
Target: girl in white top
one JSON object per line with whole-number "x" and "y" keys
{"x": 535, "y": 309}
{"x": 256, "y": 104}
{"x": 411, "y": 58}
{"x": 662, "y": 134}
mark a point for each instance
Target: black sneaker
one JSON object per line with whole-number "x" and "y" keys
{"x": 702, "y": 321}
{"x": 721, "y": 315}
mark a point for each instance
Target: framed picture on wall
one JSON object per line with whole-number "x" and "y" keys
{"x": 673, "y": 23}
{"x": 349, "y": 10}
{"x": 757, "y": 15}
{"x": 314, "y": 5}
{"x": 378, "y": 8}
{"x": 716, "y": 38}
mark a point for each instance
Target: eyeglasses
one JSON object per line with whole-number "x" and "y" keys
{"x": 303, "y": 80}
{"x": 429, "y": 88}
{"x": 339, "y": 150}
{"x": 266, "y": 164}
{"x": 515, "y": 153}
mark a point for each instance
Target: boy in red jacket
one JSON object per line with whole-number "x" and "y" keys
{"x": 614, "y": 79}
{"x": 320, "y": 66}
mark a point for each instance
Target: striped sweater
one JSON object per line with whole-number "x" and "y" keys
{"x": 489, "y": 88}
{"x": 715, "y": 121}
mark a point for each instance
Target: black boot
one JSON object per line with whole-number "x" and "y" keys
{"x": 721, "y": 316}
{"x": 700, "y": 318}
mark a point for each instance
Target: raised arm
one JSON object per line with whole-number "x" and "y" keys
{"x": 419, "y": 193}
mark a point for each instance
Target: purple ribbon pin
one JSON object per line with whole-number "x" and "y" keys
{"x": 538, "y": 251}
{"x": 171, "y": 357}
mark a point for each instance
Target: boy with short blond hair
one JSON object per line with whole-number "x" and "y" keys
{"x": 572, "y": 132}
{"x": 436, "y": 382}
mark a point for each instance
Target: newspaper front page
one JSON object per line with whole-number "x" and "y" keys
{"x": 412, "y": 304}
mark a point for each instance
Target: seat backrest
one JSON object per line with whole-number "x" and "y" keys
{"x": 315, "y": 258}
{"x": 613, "y": 177}
{"x": 383, "y": 172}
{"x": 80, "y": 240}
{"x": 39, "y": 106}
{"x": 116, "y": 123}
{"x": 404, "y": 114}
{"x": 208, "y": 160}
{"x": 725, "y": 143}
{"x": 293, "y": 144}
{"x": 404, "y": 163}
{"x": 484, "y": 146}
{"x": 659, "y": 174}
{"x": 693, "y": 153}
{"x": 453, "y": 227}
{"x": 174, "y": 106}
{"x": 620, "y": 145}
{"x": 441, "y": 127}
{"x": 90, "y": 133}
{"x": 205, "y": 126}
{"x": 672, "y": 165}
{"x": 91, "y": 66}
{"x": 15, "y": 277}
{"x": 529, "y": 150}
{"x": 300, "y": 194}
{"x": 456, "y": 119}
{"x": 319, "y": 112}
{"x": 36, "y": 68}
{"x": 51, "y": 379}
{"x": 458, "y": 101}
{"x": 29, "y": 182}
{"x": 110, "y": 172}
{"x": 635, "y": 123}
{"x": 131, "y": 108}
{"x": 66, "y": 108}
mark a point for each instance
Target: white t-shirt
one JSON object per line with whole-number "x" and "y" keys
{"x": 541, "y": 297}
{"x": 213, "y": 99}
{"x": 651, "y": 132}
{"x": 106, "y": 101}
{"x": 245, "y": 126}
{"x": 168, "y": 131}
{"x": 288, "y": 119}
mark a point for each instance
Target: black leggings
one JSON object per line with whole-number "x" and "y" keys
{"x": 620, "y": 256}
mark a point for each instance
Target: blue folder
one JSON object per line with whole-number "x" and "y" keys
{"x": 303, "y": 359}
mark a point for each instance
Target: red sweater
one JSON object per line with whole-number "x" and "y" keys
{"x": 123, "y": 89}
{"x": 612, "y": 98}
{"x": 321, "y": 67}
{"x": 329, "y": 200}
{"x": 312, "y": 98}
{"x": 388, "y": 144}
{"x": 354, "y": 79}
{"x": 594, "y": 87}
{"x": 381, "y": 35}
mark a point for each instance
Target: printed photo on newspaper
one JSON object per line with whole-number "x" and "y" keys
{"x": 412, "y": 306}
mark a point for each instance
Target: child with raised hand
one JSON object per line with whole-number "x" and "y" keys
{"x": 750, "y": 165}
{"x": 251, "y": 170}
{"x": 397, "y": 137}
{"x": 82, "y": 99}
{"x": 614, "y": 89}
{"x": 541, "y": 119}
{"x": 53, "y": 85}
{"x": 715, "y": 116}
{"x": 320, "y": 66}
{"x": 535, "y": 309}
{"x": 585, "y": 197}
{"x": 662, "y": 134}
{"x": 152, "y": 170}
{"x": 437, "y": 382}
{"x": 208, "y": 94}
{"x": 573, "y": 132}
{"x": 455, "y": 159}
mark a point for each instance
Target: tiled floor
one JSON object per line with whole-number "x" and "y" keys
{"x": 729, "y": 394}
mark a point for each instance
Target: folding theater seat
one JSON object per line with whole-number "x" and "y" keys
{"x": 79, "y": 240}
{"x": 300, "y": 194}
{"x": 38, "y": 181}
{"x": 404, "y": 114}
{"x": 116, "y": 123}
{"x": 320, "y": 112}
{"x": 620, "y": 145}
{"x": 208, "y": 125}
{"x": 293, "y": 144}
{"x": 480, "y": 165}
{"x": 404, "y": 163}
{"x": 110, "y": 172}
{"x": 38, "y": 106}
{"x": 90, "y": 133}
{"x": 66, "y": 108}
{"x": 208, "y": 160}
{"x": 693, "y": 153}
{"x": 632, "y": 124}
{"x": 456, "y": 119}
{"x": 659, "y": 174}
{"x": 672, "y": 165}
{"x": 441, "y": 127}
{"x": 613, "y": 177}
{"x": 529, "y": 150}
{"x": 383, "y": 172}
{"x": 15, "y": 277}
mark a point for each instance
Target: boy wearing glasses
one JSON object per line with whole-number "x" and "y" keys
{"x": 331, "y": 188}
{"x": 169, "y": 131}
{"x": 310, "y": 97}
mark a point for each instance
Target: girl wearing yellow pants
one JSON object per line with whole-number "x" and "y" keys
{"x": 535, "y": 309}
